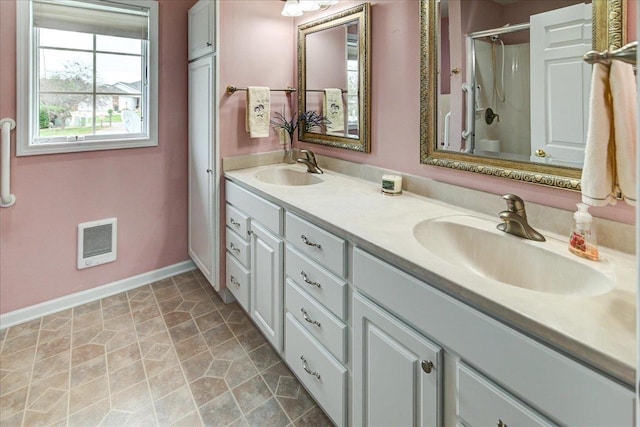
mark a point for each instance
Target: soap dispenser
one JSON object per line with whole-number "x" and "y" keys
{"x": 582, "y": 241}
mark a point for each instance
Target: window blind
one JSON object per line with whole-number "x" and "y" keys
{"x": 105, "y": 18}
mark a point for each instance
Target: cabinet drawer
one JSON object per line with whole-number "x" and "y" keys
{"x": 317, "y": 243}
{"x": 239, "y": 248}
{"x": 482, "y": 403}
{"x": 328, "y": 289}
{"x": 322, "y": 375}
{"x": 238, "y": 281}
{"x": 317, "y": 320}
{"x": 237, "y": 221}
{"x": 257, "y": 208}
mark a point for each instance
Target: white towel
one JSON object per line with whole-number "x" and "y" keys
{"x": 609, "y": 163}
{"x": 334, "y": 109}
{"x": 258, "y": 111}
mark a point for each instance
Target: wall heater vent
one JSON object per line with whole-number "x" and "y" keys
{"x": 97, "y": 242}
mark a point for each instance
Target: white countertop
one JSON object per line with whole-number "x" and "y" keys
{"x": 598, "y": 330}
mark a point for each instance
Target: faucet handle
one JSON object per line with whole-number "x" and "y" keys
{"x": 514, "y": 203}
{"x": 309, "y": 155}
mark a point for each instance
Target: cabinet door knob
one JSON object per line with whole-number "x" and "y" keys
{"x": 306, "y": 368}
{"x": 309, "y": 282}
{"x": 427, "y": 366}
{"x": 501, "y": 424}
{"x": 309, "y": 242}
{"x": 209, "y": 171}
{"x": 307, "y": 318}
{"x": 208, "y": 44}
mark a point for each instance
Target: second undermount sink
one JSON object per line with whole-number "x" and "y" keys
{"x": 287, "y": 176}
{"x": 548, "y": 267}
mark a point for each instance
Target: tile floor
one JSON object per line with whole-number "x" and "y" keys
{"x": 166, "y": 354}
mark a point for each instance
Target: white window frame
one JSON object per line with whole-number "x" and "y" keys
{"x": 27, "y": 107}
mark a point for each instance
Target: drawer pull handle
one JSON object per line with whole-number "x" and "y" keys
{"x": 234, "y": 248}
{"x": 309, "y": 371}
{"x": 501, "y": 424}
{"x": 310, "y": 243}
{"x": 427, "y": 366}
{"x": 208, "y": 44}
{"x": 309, "y": 282}
{"x": 234, "y": 281}
{"x": 234, "y": 223}
{"x": 307, "y": 318}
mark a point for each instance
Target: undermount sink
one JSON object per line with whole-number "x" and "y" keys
{"x": 287, "y": 176}
{"x": 547, "y": 267}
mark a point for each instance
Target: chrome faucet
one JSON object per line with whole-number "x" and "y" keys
{"x": 310, "y": 161}
{"x": 515, "y": 219}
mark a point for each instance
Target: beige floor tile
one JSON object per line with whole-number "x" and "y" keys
{"x": 240, "y": 370}
{"x": 166, "y": 382}
{"x": 20, "y": 342}
{"x": 90, "y": 415}
{"x": 251, "y": 394}
{"x": 88, "y": 394}
{"x": 269, "y": 414}
{"x": 13, "y": 403}
{"x": 133, "y": 398}
{"x": 172, "y": 407}
{"x": 190, "y": 347}
{"x": 221, "y": 411}
{"x": 123, "y": 356}
{"x": 191, "y": 420}
{"x": 161, "y": 355}
{"x": 125, "y": 377}
{"x": 313, "y": 418}
{"x": 206, "y": 389}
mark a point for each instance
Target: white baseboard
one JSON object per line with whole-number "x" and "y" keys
{"x": 83, "y": 297}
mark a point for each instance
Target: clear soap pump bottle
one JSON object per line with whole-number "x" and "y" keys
{"x": 582, "y": 241}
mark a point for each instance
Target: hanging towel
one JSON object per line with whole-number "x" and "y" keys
{"x": 609, "y": 163}
{"x": 334, "y": 109}
{"x": 258, "y": 111}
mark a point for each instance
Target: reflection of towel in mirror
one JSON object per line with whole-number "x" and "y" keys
{"x": 334, "y": 109}
{"x": 609, "y": 169}
{"x": 258, "y": 111}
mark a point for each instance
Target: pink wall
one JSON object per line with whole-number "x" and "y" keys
{"x": 146, "y": 188}
{"x": 257, "y": 48}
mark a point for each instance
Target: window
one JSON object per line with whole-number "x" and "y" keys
{"x": 87, "y": 75}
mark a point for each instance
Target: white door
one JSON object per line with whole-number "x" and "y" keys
{"x": 560, "y": 84}
{"x": 267, "y": 275}
{"x": 202, "y": 29}
{"x": 201, "y": 166}
{"x": 397, "y": 373}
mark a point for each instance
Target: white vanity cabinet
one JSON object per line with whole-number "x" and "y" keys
{"x": 255, "y": 248}
{"x": 267, "y": 251}
{"x": 202, "y": 28}
{"x": 316, "y": 326}
{"x": 522, "y": 381}
{"x": 397, "y": 373}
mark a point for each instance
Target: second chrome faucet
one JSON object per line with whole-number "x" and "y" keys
{"x": 515, "y": 219}
{"x": 309, "y": 160}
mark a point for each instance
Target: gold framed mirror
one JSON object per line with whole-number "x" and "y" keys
{"x": 334, "y": 78}
{"x": 605, "y": 19}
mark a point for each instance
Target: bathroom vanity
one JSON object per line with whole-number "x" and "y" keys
{"x": 387, "y": 322}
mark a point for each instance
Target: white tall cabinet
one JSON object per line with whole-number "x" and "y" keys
{"x": 203, "y": 152}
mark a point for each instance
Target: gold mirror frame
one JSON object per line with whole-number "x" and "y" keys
{"x": 361, "y": 14}
{"x": 609, "y": 29}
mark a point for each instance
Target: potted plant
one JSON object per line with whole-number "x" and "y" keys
{"x": 309, "y": 120}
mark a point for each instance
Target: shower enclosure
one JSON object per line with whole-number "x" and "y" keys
{"x": 498, "y": 92}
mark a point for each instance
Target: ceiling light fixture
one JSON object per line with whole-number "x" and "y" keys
{"x": 298, "y": 7}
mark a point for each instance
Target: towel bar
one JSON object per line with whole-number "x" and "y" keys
{"x": 232, "y": 89}
{"x": 626, "y": 53}
{"x": 322, "y": 90}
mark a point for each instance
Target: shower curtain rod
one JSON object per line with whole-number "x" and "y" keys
{"x": 500, "y": 30}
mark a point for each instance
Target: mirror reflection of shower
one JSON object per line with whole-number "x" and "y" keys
{"x": 498, "y": 81}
